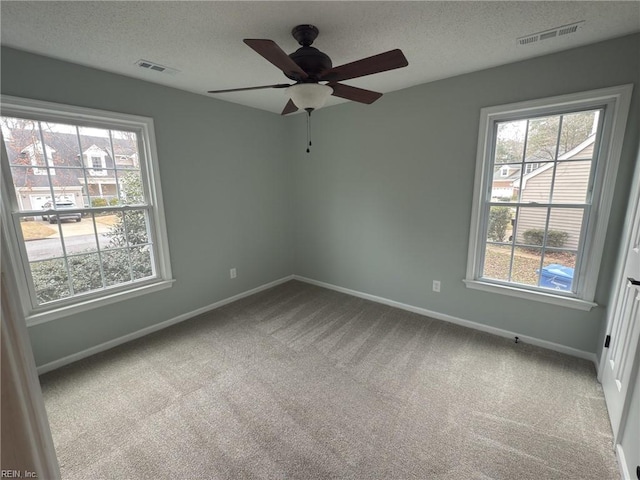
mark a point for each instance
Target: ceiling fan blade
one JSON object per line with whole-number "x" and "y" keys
{"x": 290, "y": 107}
{"x": 367, "y": 66}
{"x": 273, "y": 53}
{"x": 278, "y": 85}
{"x": 356, "y": 94}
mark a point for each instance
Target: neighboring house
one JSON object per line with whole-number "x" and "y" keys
{"x": 69, "y": 180}
{"x": 34, "y": 190}
{"x": 506, "y": 179}
{"x": 503, "y": 180}
{"x": 570, "y": 186}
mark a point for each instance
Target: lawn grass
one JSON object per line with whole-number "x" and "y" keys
{"x": 35, "y": 230}
{"x": 525, "y": 263}
{"x": 108, "y": 219}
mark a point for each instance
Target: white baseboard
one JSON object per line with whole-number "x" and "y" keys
{"x": 47, "y": 367}
{"x": 458, "y": 321}
{"x": 622, "y": 463}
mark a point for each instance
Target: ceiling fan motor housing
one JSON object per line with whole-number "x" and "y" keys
{"x": 308, "y": 58}
{"x": 312, "y": 61}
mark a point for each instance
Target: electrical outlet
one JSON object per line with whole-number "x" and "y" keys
{"x": 233, "y": 273}
{"x": 436, "y": 286}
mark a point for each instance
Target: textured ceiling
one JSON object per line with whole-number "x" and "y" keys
{"x": 203, "y": 40}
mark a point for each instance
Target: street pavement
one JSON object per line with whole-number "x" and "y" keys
{"x": 78, "y": 236}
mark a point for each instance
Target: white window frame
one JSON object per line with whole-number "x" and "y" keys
{"x": 616, "y": 101}
{"x": 144, "y": 127}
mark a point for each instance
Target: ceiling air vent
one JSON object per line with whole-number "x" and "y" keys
{"x": 552, "y": 33}
{"x": 156, "y": 67}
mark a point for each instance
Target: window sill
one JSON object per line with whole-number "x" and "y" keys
{"x": 38, "y": 317}
{"x": 569, "y": 302}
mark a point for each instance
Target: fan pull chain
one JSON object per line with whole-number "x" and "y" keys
{"x": 309, "y": 110}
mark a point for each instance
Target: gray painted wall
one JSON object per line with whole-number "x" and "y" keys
{"x": 383, "y": 202}
{"x": 225, "y": 179}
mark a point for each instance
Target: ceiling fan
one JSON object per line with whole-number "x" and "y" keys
{"x": 308, "y": 67}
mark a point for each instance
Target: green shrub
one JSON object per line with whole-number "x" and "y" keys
{"x": 113, "y": 202}
{"x": 99, "y": 202}
{"x": 555, "y": 238}
{"x": 126, "y": 258}
{"x": 499, "y": 221}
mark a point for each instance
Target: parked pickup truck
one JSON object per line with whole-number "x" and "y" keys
{"x": 61, "y": 205}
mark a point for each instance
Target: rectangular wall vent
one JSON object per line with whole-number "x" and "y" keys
{"x": 544, "y": 36}
{"x": 569, "y": 29}
{"x": 551, "y": 33}
{"x": 156, "y": 67}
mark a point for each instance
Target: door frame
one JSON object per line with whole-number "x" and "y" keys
{"x": 616, "y": 292}
{"x": 28, "y": 412}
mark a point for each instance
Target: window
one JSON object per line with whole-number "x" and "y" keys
{"x": 545, "y": 240}
{"x": 97, "y": 166}
{"x": 77, "y": 241}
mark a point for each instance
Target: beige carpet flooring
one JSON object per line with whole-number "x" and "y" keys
{"x": 299, "y": 382}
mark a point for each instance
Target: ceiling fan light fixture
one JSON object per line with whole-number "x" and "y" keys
{"x": 309, "y": 95}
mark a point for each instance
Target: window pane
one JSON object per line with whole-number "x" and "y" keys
{"x": 558, "y": 270}
{"x": 572, "y": 182}
{"x": 542, "y": 139}
{"x": 97, "y": 159}
{"x": 68, "y": 186}
{"x": 79, "y": 238}
{"x": 20, "y": 137}
{"x": 576, "y": 128}
{"x": 536, "y": 186}
{"x": 62, "y": 141}
{"x": 85, "y": 272}
{"x": 530, "y": 225}
{"x": 136, "y": 224}
{"x": 500, "y": 224}
{"x": 95, "y": 145}
{"x": 565, "y": 225}
{"x": 32, "y": 191}
{"x": 526, "y": 263}
{"x": 102, "y": 188}
{"x": 506, "y": 182}
{"x": 116, "y": 266}
{"x": 50, "y": 279}
{"x": 131, "y": 191}
{"x": 141, "y": 262}
{"x": 42, "y": 241}
{"x": 497, "y": 262}
{"x": 125, "y": 145}
{"x": 110, "y": 230}
{"x": 510, "y": 141}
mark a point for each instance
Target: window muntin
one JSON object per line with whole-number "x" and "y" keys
{"x": 102, "y": 235}
{"x": 533, "y": 216}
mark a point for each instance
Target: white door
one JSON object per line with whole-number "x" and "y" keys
{"x": 620, "y": 359}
